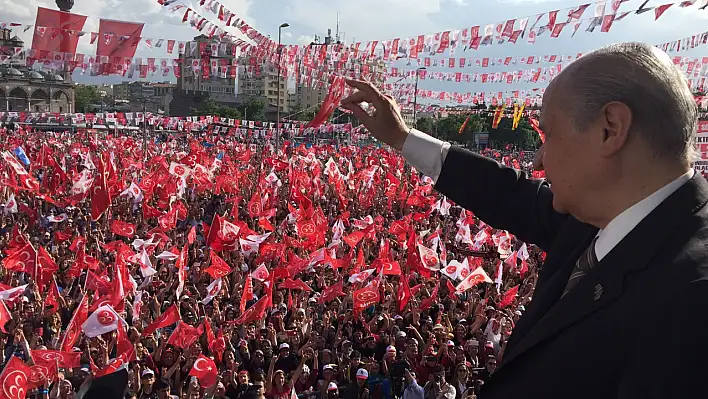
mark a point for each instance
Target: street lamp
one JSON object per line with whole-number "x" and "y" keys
{"x": 277, "y": 112}
{"x": 415, "y": 97}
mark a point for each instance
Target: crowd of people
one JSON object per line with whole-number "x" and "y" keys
{"x": 217, "y": 266}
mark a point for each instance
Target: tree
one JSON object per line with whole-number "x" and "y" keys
{"x": 255, "y": 109}
{"x": 523, "y": 136}
{"x": 85, "y": 95}
{"x": 209, "y": 107}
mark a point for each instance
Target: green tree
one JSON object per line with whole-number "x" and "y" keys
{"x": 209, "y": 107}
{"x": 426, "y": 125}
{"x": 255, "y": 109}
{"x": 85, "y": 95}
{"x": 523, "y": 136}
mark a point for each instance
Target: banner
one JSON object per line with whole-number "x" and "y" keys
{"x": 702, "y": 145}
{"x": 118, "y": 38}
{"x": 57, "y": 30}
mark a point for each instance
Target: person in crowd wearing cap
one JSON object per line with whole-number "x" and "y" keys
{"x": 328, "y": 375}
{"x": 438, "y": 387}
{"x": 147, "y": 389}
{"x": 277, "y": 387}
{"x": 358, "y": 389}
{"x": 286, "y": 359}
{"x": 332, "y": 391}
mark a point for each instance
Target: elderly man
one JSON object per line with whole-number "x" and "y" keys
{"x": 619, "y": 309}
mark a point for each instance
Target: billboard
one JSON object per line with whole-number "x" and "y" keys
{"x": 57, "y": 31}
{"x": 118, "y": 38}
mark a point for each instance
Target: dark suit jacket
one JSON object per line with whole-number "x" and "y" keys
{"x": 635, "y": 327}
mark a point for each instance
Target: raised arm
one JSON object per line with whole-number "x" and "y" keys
{"x": 502, "y": 197}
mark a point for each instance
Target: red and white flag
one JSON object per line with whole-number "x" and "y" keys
{"x": 476, "y": 277}
{"x": 212, "y": 290}
{"x": 102, "y": 321}
{"x": 205, "y": 370}
{"x": 146, "y": 268}
{"x": 14, "y": 379}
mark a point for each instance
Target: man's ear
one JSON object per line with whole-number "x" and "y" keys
{"x": 615, "y": 123}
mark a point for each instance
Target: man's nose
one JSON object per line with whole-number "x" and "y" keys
{"x": 538, "y": 159}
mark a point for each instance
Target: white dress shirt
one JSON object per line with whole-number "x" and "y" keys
{"x": 427, "y": 154}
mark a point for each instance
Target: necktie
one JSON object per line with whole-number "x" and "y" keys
{"x": 585, "y": 263}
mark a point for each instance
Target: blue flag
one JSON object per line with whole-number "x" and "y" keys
{"x": 220, "y": 156}
{"x": 20, "y": 154}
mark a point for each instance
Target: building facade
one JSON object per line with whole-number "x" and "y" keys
{"x": 262, "y": 81}
{"x": 23, "y": 89}
{"x": 219, "y": 85}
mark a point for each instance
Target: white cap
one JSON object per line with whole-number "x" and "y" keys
{"x": 328, "y": 367}
{"x": 362, "y": 374}
{"x": 332, "y": 387}
{"x": 146, "y": 372}
{"x": 391, "y": 348}
{"x": 284, "y": 345}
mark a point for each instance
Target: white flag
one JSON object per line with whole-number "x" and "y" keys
{"x": 103, "y": 320}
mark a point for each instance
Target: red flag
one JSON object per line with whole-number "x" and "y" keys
{"x": 205, "y": 370}
{"x": 464, "y": 125}
{"x": 509, "y": 297}
{"x": 192, "y": 236}
{"x": 74, "y": 328}
{"x": 247, "y": 293}
{"x": 332, "y": 292}
{"x": 5, "y": 316}
{"x": 184, "y": 335}
{"x": 404, "y": 294}
{"x": 366, "y": 296}
{"x": 100, "y": 197}
{"x": 57, "y": 30}
{"x": 15, "y": 379}
{"x": 118, "y": 38}
{"x": 658, "y": 11}
{"x": 121, "y": 228}
{"x": 218, "y": 267}
{"x": 255, "y": 312}
{"x": 169, "y": 317}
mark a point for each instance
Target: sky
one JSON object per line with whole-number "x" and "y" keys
{"x": 364, "y": 20}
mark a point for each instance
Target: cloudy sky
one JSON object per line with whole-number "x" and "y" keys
{"x": 363, "y": 20}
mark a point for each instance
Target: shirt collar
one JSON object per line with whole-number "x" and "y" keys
{"x": 626, "y": 221}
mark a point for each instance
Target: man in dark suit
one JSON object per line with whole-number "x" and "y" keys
{"x": 620, "y": 307}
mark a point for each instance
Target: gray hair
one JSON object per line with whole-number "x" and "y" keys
{"x": 645, "y": 79}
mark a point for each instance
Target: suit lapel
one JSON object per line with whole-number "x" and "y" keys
{"x": 552, "y": 278}
{"x": 603, "y": 285}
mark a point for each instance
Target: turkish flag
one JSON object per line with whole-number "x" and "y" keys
{"x": 255, "y": 312}
{"x": 332, "y": 292}
{"x": 205, "y": 370}
{"x": 121, "y": 228}
{"x": 118, "y": 38}
{"x": 57, "y": 31}
{"x": 15, "y": 379}
{"x": 509, "y": 297}
{"x": 22, "y": 260}
{"x": 100, "y": 197}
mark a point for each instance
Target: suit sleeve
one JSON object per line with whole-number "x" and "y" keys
{"x": 671, "y": 361}
{"x": 502, "y": 197}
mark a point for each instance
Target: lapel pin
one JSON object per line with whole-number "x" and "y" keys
{"x": 598, "y": 291}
